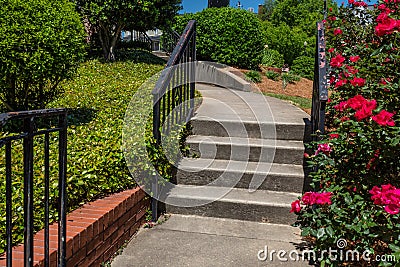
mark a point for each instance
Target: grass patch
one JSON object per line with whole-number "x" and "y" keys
{"x": 301, "y": 102}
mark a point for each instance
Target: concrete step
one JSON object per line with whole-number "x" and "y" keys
{"x": 241, "y": 204}
{"x": 247, "y": 149}
{"x": 194, "y": 241}
{"x": 239, "y": 174}
{"x": 161, "y": 54}
{"x": 249, "y": 129}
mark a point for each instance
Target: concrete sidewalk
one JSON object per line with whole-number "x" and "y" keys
{"x": 186, "y": 240}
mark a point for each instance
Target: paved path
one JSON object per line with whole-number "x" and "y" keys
{"x": 186, "y": 240}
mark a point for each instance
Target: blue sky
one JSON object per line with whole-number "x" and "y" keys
{"x": 191, "y": 6}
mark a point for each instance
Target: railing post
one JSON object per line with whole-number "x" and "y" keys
{"x": 28, "y": 192}
{"x": 62, "y": 222}
{"x": 9, "y": 224}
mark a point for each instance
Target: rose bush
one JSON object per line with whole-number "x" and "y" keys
{"x": 357, "y": 161}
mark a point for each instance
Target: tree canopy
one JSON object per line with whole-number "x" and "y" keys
{"x": 109, "y": 17}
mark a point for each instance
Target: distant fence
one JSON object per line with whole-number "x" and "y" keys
{"x": 25, "y": 126}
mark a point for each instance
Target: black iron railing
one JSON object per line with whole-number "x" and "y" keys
{"x": 169, "y": 40}
{"x": 320, "y": 86}
{"x": 25, "y": 126}
{"x": 142, "y": 38}
{"x": 173, "y": 95}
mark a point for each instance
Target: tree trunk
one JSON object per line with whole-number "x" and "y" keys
{"x": 108, "y": 40}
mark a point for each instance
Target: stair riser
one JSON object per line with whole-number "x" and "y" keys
{"x": 273, "y": 182}
{"x": 239, "y": 211}
{"x": 248, "y": 130}
{"x": 283, "y": 155}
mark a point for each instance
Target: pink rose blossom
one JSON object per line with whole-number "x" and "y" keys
{"x": 296, "y": 206}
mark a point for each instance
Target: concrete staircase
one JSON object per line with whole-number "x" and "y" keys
{"x": 250, "y": 158}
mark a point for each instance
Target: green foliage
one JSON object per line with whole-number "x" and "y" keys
{"x": 109, "y": 17}
{"x": 272, "y": 75}
{"x": 42, "y": 43}
{"x": 227, "y": 35}
{"x": 253, "y": 76}
{"x": 301, "y": 14}
{"x": 304, "y": 66}
{"x": 97, "y": 100}
{"x": 290, "y": 78}
{"x": 301, "y": 102}
{"x": 134, "y": 45}
{"x": 289, "y": 42}
{"x": 272, "y": 58}
{"x": 364, "y": 150}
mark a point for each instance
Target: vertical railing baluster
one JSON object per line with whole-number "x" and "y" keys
{"x": 9, "y": 223}
{"x": 62, "y": 165}
{"x": 46, "y": 199}
{"x": 28, "y": 192}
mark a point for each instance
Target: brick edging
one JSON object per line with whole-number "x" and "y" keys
{"x": 95, "y": 231}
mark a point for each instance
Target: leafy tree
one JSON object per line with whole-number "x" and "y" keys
{"x": 42, "y": 42}
{"x": 288, "y": 41}
{"x": 297, "y": 13}
{"x": 109, "y": 17}
{"x": 267, "y": 9}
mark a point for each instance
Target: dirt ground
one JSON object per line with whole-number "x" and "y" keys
{"x": 302, "y": 88}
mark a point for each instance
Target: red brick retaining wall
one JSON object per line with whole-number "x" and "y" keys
{"x": 94, "y": 232}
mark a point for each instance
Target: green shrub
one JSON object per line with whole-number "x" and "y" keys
{"x": 289, "y": 42}
{"x": 134, "y": 45}
{"x": 272, "y": 58}
{"x": 304, "y": 66}
{"x": 97, "y": 99}
{"x": 290, "y": 77}
{"x": 42, "y": 43}
{"x": 227, "y": 35}
{"x": 253, "y": 76}
{"x": 272, "y": 75}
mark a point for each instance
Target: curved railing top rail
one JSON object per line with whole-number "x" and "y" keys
{"x": 4, "y": 117}
{"x": 176, "y": 56}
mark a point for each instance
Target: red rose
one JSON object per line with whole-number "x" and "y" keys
{"x": 357, "y": 81}
{"x": 296, "y": 206}
{"x": 384, "y": 118}
{"x": 333, "y": 136}
{"x": 356, "y": 102}
{"x": 337, "y": 31}
{"x": 366, "y": 110}
{"x": 337, "y": 61}
{"x": 386, "y": 26}
{"x": 354, "y": 58}
{"x": 330, "y": 50}
{"x": 340, "y": 83}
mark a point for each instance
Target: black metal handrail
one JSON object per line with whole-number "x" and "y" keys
{"x": 175, "y": 88}
{"x": 176, "y": 83}
{"x": 320, "y": 85}
{"x": 27, "y": 132}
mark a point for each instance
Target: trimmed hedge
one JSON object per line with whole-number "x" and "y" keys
{"x": 227, "y": 35}
{"x": 42, "y": 43}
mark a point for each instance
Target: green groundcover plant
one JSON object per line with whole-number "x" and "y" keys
{"x": 356, "y": 177}
{"x": 97, "y": 99}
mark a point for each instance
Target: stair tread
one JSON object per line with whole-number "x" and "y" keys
{"x": 249, "y": 142}
{"x": 198, "y": 164}
{"x": 234, "y": 195}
